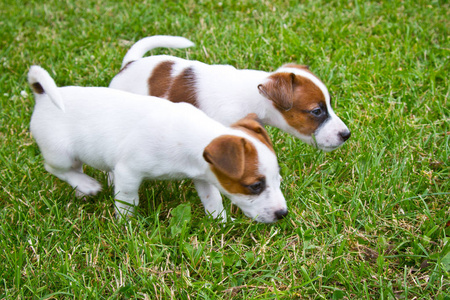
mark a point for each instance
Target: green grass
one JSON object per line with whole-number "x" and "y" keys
{"x": 369, "y": 220}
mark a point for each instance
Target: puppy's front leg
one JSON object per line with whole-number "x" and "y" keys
{"x": 211, "y": 199}
{"x": 126, "y": 188}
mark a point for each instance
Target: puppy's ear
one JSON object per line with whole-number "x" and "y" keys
{"x": 226, "y": 154}
{"x": 279, "y": 88}
{"x": 252, "y": 125}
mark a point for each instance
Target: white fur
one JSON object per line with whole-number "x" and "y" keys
{"x": 136, "y": 137}
{"x": 225, "y": 93}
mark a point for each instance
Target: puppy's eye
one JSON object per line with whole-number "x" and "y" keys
{"x": 317, "y": 112}
{"x": 257, "y": 187}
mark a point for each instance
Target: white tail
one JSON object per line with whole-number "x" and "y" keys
{"x": 144, "y": 45}
{"x": 41, "y": 83}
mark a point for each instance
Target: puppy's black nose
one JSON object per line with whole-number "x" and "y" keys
{"x": 280, "y": 214}
{"x": 345, "y": 135}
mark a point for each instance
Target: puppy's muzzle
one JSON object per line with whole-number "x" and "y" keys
{"x": 280, "y": 214}
{"x": 345, "y": 135}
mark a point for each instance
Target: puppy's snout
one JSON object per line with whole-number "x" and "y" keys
{"x": 345, "y": 135}
{"x": 280, "y": 214}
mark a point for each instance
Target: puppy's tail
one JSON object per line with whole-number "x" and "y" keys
{"x": 144, "y": 45}
{"x": 41, "y": 83}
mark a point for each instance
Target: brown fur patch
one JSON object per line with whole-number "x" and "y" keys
{"x": 183, "y": 88}
{"x": 234, "y": 161}
{"x": 295, "y": 97}
{"x": 161, "y": 79}
{"x": 37, "y": 88}
{"x": 251, "y": 125}
{"x": 280, "y": 89}
{"x": 176, "y": 89}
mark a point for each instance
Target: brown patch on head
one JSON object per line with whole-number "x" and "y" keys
{"x": 280, "y": 89}
{"x": 252, "y": 126}
{"x": 296, "y": 98}
{"x": 183, "y": 88}
{"x": 161, "y": 79}
{"x": 234, "y": 161}
{"x": 37, "y": 88}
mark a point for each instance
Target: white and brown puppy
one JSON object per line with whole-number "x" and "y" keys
{"x": 136, "y": 137}
{"x": 292, "y": 98}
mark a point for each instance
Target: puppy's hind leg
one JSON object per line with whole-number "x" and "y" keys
{"x": 72, "y": 173}
{"x": 93, "y": 188}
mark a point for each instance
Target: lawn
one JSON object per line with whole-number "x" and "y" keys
{"x": 370, "y": 220}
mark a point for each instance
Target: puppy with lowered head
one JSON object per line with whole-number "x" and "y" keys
{"x": 135, "y": 137}
{"x": 292, "y": 98}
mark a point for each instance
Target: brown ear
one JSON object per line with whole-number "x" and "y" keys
{"x": 227, "y": 154}
{"x": 280, "y": 89}
{"x": 255, "y": 128}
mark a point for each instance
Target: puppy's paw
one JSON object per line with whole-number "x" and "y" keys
{"x": 124, "y": 211}
{"x": 88, "y": 187}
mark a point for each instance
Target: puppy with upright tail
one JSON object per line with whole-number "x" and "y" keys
{"x": 137, "y": 137}
{"x": 292, "y": 98}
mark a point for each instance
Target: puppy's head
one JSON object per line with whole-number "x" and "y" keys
{"x": 247, "y": 171}
{"x": 303, "y": 103}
